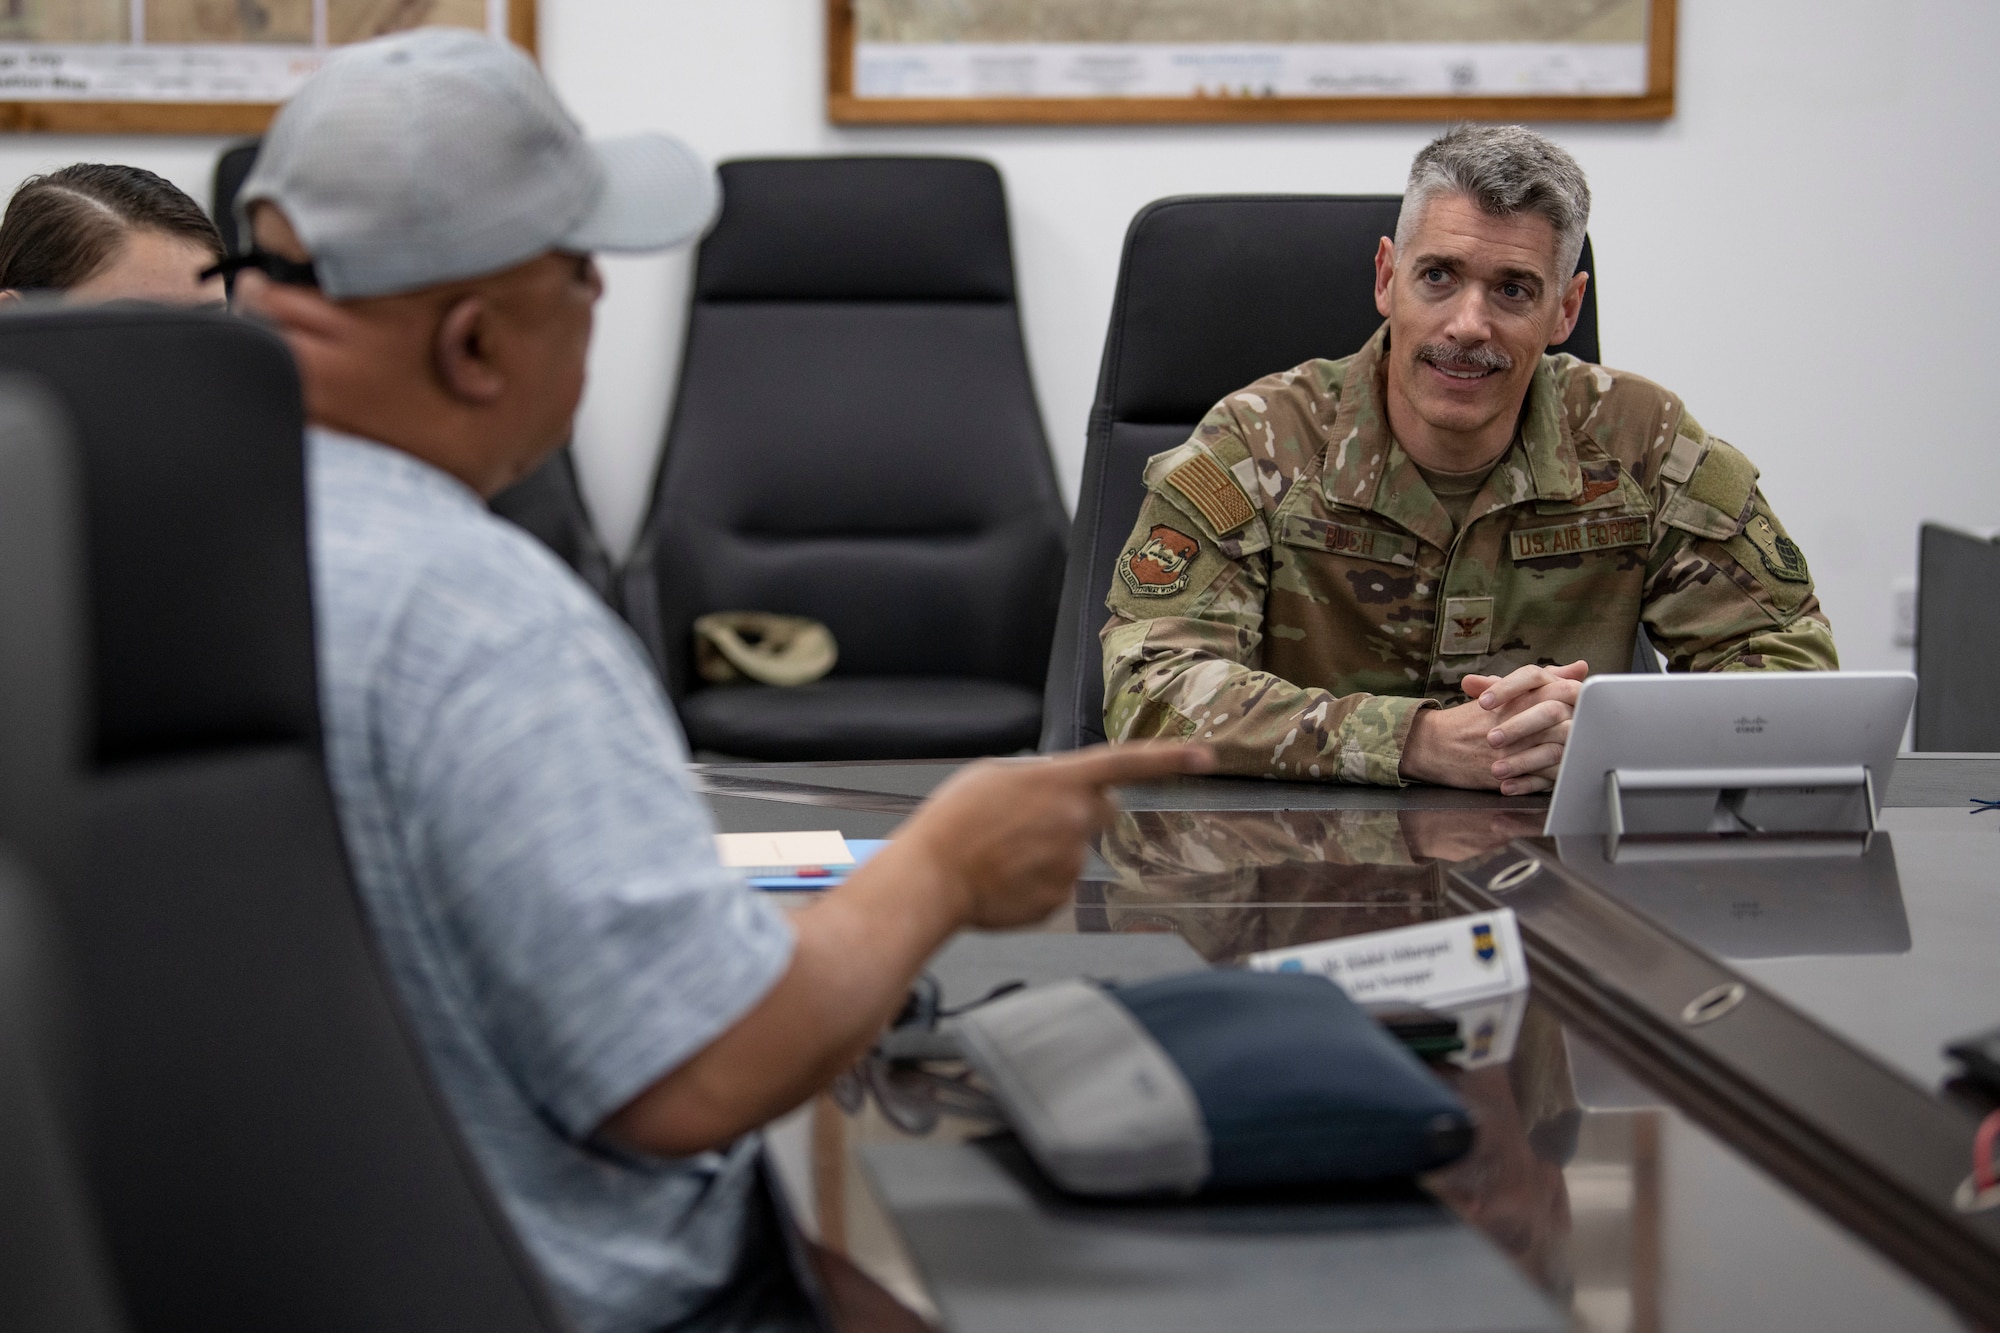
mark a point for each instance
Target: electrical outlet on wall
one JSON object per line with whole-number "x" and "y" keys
{"x": 1903, "y": 613}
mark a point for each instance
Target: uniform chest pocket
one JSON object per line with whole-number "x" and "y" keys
{"x": 1356, "y": 543}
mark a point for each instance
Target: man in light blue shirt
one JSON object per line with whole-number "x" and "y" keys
{"x": 512, "y": 799}
{"x": 610, "y": 1013}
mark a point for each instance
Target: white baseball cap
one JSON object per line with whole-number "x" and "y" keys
{"x": 440, "y": 154}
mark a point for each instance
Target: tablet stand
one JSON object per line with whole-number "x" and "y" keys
{"x": 1686, "y": 814}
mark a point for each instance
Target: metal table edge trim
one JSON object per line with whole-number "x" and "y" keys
{"x": 1888, "y": 1177}
{"x": 800, "y": 793}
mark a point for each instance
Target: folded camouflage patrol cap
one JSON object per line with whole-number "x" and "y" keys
{"x": 763, "y": 646}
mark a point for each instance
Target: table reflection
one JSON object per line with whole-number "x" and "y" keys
{"x": 1762, "y": 908}
{"x": 1893, "y": 950}
{"x": 1511, "y": 1184}
{"x": 1606, "y": 1196}
{"x": 1569, "y": 1193}
{"x": 1239, "y": 881}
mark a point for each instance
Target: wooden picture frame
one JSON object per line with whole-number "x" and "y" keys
{"x": 153, "y": 116}
{"x": 844, "y": 106}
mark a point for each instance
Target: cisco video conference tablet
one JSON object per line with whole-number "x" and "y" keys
{"x": 1730, "y": 752}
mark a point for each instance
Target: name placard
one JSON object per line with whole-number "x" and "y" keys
{"x": 1438, "y": 964}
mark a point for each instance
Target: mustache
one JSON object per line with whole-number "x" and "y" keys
{"x": 1450, "y": 356}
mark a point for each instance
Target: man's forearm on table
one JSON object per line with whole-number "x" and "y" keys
{"x": 1258, "y": 724}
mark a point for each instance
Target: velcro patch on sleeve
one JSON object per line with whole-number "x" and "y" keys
{"x": 1723, "y": 479}
{"x": 1213, "y": 493}
{"x": 1601, "y": 534}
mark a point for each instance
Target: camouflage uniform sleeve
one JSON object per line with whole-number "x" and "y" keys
{"x": 1726, "y": 588}
{"x": 1182, "y": 645}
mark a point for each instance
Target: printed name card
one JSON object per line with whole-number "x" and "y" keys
{"x": 1438, "y": 964}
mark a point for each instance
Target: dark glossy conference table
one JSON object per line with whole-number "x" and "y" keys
{"x": 1723, "y": 1104}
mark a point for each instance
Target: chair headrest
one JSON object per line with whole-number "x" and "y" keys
{"x": 1197, "y": 315}
{"x": 858, "y": 229}
{"x": 231, "y": 170}
{"x": 200, "y": 616}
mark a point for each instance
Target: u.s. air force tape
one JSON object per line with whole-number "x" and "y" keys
{"x": 1574, "y": 538}
{"x": 1213, "y": 492}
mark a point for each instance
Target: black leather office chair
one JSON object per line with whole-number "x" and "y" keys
{"x": 547, "y": 503}
{"x": 1213, "y": 293}
{"x": 1958, "y": 640}
{"x": 231, "y": 170}
{"x": 855, "y": 439}
{"x": 54, "y": 1277}
{"x": 42, "y": 659}
{"x": 264, "y": 1143}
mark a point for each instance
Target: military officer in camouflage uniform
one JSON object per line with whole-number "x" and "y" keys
{"x": 1399, "y": 566}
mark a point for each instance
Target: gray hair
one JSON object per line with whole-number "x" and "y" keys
{"x": 1507, "y": 170}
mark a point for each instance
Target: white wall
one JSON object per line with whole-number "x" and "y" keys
{"x": 1802, "y": 252}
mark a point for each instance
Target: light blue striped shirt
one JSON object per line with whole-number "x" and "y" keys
{"x": 542, "y": 877}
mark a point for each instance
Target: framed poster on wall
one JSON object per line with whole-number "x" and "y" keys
{"x": 1081, "y": 61}
{"x": 196, "y": 66}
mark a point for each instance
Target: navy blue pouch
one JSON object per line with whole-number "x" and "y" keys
{"x": 1213, "y": 1080}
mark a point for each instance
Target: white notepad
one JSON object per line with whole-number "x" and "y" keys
{"x": 743, "y": 851}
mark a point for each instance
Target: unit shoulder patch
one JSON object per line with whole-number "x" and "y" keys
{"x": 1778, "y": 553}
{"x": 1773, "y": 559}
{"x": 1161, "y": 565}
{"x": 1213, "y": 492}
